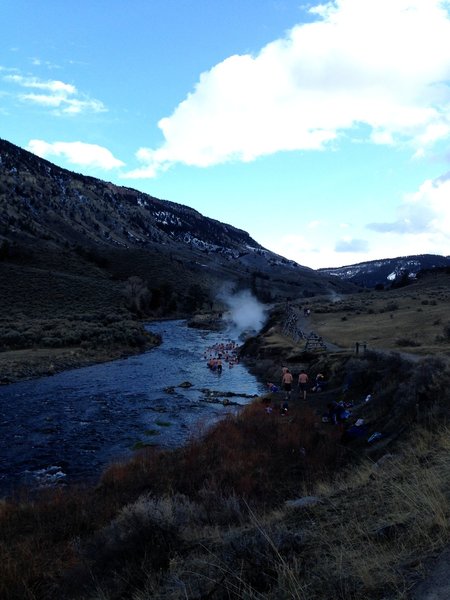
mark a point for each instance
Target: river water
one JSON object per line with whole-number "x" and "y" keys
{"x": 70, "y": 426}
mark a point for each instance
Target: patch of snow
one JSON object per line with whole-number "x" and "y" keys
{"x": 166, "y": 218}
{"x": 142, "y": 202}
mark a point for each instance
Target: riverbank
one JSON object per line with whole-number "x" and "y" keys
{"x": 20, "y": 365}
{"x": 264, "y": 504}
{"x": 97, "y": 343}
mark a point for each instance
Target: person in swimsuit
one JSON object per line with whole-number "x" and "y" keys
{"x": 303, "y": 384}
{"x": 287, "y": 380}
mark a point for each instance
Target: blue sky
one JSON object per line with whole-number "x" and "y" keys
{"x": 322, "y": 129}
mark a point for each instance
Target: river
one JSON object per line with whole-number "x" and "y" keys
{"x": 70, "y": 426}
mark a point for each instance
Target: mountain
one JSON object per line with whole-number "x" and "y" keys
{"x": 387, "y": 271}
{"x": 54, "y": 219}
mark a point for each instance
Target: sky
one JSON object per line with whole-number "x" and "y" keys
{"x": 320, "y": 128}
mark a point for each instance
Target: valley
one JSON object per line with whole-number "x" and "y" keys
{"x": 264, "y": 504}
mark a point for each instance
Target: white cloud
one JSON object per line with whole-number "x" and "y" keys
{"x": 314, "y": 224}
{"x": 38, "y": 62}
{"x": 76, "y": 153}
{"x": 351, "y": 245}
{"x": 33, "y": 82}
{"x": 287, "y": 244}
{"x": 423, "y": 226}
{"x": 63, "y": 98}
{"x": 426, "y": 211}
{"x": 382, "y": 63}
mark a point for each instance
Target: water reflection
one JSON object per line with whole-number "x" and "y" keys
{"x": 69, "y": 426}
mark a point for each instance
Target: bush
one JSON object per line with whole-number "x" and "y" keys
{"x": 391, "y": 306}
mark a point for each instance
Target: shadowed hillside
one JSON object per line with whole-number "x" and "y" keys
{"x": 55, "y": 219}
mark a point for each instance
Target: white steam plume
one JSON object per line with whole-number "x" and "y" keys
{"x": 334, "y": 297}
{"x": 246, "y": 313}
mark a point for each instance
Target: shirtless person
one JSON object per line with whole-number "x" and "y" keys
{"x": 287, "y": 380}
{"x": 303, "y": 383}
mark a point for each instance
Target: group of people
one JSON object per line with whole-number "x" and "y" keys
{"x": 287, "y": 380}
{"x": 221, "y": 352}
{"x": 303, "y": 383}
{"x": 287, "y": 383}
{"x": 338, "y": 412}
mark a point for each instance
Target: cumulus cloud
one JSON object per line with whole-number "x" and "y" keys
{"x": 63, "y": 98}
{"x": 76, "y": 153}
{"x": 381, "y": 63}
{"x": 426, "y": 211}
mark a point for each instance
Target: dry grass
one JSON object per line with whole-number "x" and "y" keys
{"x": 375, "y": 525}
{"x": 366, "y": 538}
{"x": 413, "y": 318}
{"x": 254, "y": 455}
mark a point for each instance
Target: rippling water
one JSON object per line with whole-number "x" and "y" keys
{"x": 71, "y": 425}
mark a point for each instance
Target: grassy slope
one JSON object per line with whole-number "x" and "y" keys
{"x": 412, "y": 318}
{"x": 209, "y": 520}
{"x": 51, "y": 320}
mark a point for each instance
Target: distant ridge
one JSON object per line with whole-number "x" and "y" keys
{"x": 388, "y": 270}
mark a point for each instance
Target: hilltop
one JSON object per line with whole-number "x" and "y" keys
{"x": 387, "y": 272}
{"x": 55, "y": 219}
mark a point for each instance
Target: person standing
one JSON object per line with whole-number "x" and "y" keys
{"x": 287, "y": 380}
{"x": 303, "y": 383}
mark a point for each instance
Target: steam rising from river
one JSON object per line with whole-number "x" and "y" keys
{"x": 334, "y": 297}
{"x": 246, "y": 314}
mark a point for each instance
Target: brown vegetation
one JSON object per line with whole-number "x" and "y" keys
{"x": 415, "y": 318}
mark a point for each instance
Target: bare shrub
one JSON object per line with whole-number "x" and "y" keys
{"x": 391, "y": 306}
{"x": 137, "y": 295}
{"x": 141, "y": 539}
